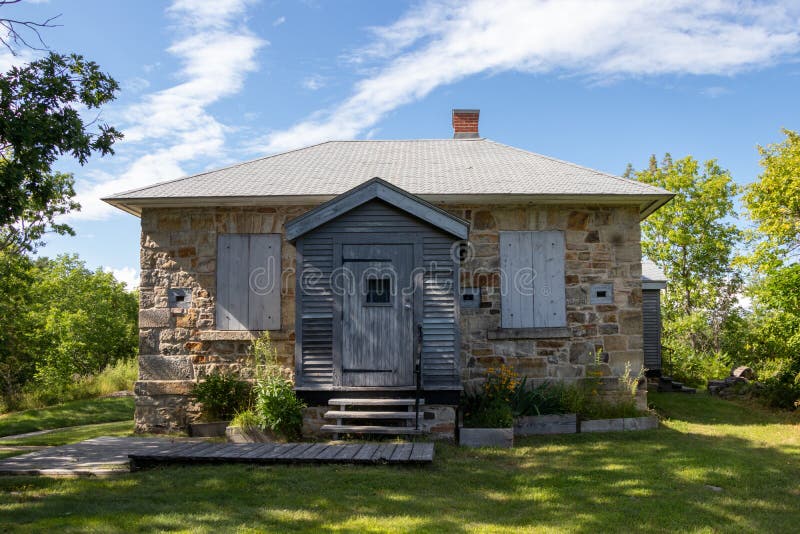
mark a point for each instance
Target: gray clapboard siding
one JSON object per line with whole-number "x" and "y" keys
{"x": 651, "y": 331}
{"x": 248, "y": 282}
{"x": 436, "y": 305}
{"x": 533, "y": 292}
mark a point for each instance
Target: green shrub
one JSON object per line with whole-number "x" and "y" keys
{"x": 222, "y": 396}
{"x": 493, "y": 414}
{"x": 504, "y": 397}
{"x": 278, "y": 407}
{"x": 778, "y": 394}
{"x": 246, "y": 419}
{"x": 276, "y": 404}
{"x": 544, "y": 399}
{"x": 695, "y": 368}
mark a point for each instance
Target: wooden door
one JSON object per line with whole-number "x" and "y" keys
{"x": 378, "y": 315}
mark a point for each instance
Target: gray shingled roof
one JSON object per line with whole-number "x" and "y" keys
{"x": 651, "y": 272}
{"x": 439, "y": 168}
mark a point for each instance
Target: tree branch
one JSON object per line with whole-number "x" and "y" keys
{"x": 14, "y": 30}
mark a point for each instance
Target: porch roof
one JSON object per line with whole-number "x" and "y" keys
{"x": 377, "y": 188}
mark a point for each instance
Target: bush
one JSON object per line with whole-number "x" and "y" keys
{"x": 544, "y": 399}
{"x": 222, "y": 396}
{"x": 491, "y": 407}
{"x": 779, "y": 394}
{"x": 494, "y": 414}
{"x": 246, "y": 419}
{"x": 504, "y": 396}
{"x": 276, "y": 404}
{"x": 278, "y": 407}
{"x": 695, "y": 368}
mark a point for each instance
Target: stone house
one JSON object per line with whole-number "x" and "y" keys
{"x": 387, "y": 271}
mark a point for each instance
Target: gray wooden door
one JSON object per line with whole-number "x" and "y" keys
{"x": 378, "y": 315}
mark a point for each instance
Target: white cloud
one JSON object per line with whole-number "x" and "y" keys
{"x": 173, "y": 126}
{"x": 8, "y": 60}
{"x": 313, "y": 83}
{"x": 442, "y": 42}
{"x": 279, "y": 21}
{"x": 715, "y": 91}
{"x": 127, "y": 275}
{"x": 135, "y": 84}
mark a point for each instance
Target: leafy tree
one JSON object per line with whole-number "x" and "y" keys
{"x": 16, "y": 365}
{"x": 693, "y": 239}
{"x": 40, "y": 121}
{"x": 83, "y": 320}
{"x": 773, "y": 202}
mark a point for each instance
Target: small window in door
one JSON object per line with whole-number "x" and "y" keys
{"x": 379, "y": 291}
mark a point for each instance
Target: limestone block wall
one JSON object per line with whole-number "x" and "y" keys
{"x": 178, "y": 346}
{"x": 602, "y": 246}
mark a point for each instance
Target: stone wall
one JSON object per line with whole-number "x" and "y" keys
{"x": 602, "y": 246}
{"x": 178, "y": 346}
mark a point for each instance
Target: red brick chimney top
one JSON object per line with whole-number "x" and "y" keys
{"x": 465, "y": 123}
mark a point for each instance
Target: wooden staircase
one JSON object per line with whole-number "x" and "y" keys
{"x": 396, "y": 417}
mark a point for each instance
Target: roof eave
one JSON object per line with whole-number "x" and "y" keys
{"x": 647, "y": 203}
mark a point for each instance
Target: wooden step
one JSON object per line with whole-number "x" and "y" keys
{"x": 364, "y": 429}
{"x": 348, "y": 414}
{"x": 374, "y": 402}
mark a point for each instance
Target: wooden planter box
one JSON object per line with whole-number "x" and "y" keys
{"x": 237, "y": 434}
{"x": 208, "y": 430}
{"x": 619, "y": 425}
{"x": 486, "y": 437}
{"x": 530, "y": 425}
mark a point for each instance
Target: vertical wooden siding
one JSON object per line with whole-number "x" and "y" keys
{"x": 532, "y": 279}
{"x": 248, "y": 282}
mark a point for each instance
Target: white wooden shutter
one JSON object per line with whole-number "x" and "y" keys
{"x": 249, "y": 282}
{"x": 532, "y": 279}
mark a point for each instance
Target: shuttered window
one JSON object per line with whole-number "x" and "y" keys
{"x": 249, "y": 282}
{"x": 532, "y": 279}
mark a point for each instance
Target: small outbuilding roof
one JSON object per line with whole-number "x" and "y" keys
{"x": 438, "y": 170}
{"x": 652, "y": 276}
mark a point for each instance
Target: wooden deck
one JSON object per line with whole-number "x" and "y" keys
{"x": 286, "y": 453}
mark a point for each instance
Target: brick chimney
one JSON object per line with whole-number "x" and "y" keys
{"x": 465, "y": 123}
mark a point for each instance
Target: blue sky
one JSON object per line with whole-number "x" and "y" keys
{"x": 206, "y": 83}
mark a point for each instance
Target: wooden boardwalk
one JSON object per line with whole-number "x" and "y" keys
{"x": 286, "y": 453}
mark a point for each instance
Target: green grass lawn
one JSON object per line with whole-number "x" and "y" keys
{"x": 74, "y": 434}
{"x": 654, "y": 480}
{"x": 82, "y": 412}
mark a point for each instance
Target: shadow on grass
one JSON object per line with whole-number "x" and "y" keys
{"x": 654, "y": 480}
